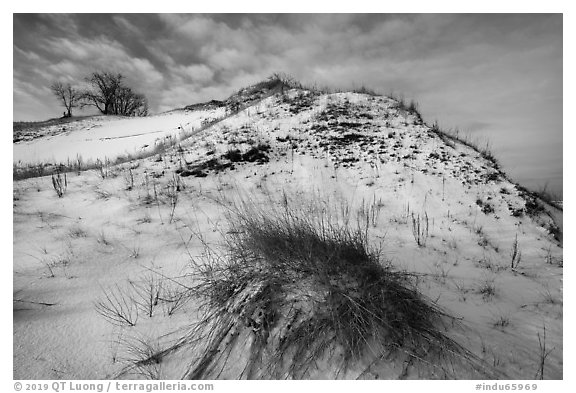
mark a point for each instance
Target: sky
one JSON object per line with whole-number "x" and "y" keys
{"x": 494, "y": 77}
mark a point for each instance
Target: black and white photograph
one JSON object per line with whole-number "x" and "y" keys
{"x": 294, "y": 196}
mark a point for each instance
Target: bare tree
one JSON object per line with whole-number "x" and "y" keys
{"x": 111, "y": 97}
{"x": 128, "y": 103}
{"x": 67, "y": 95}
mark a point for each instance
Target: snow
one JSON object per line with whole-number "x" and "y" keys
{"x": 101, "y": 138}
{"x": 107, "y": 231}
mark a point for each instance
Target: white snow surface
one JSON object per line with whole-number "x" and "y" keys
{"x": 102, "y": 138}
{"x": 342, "y": 149}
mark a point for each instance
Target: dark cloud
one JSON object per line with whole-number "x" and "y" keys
{"x": 496, "y": 75}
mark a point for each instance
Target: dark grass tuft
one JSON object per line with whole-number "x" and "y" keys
{"x": 296, "y": 290}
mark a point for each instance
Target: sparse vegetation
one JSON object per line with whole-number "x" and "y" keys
{"x": 420, "y": 226}
{"x": 551, "y": 198}
{"x": 21, "y": 171}
{"x": 487, "y": 289}
{"x": 365, "y": 90}
{"x": 502, "y": 321}
{"x": 451, "y": 137}
{"x": 135, "y": 252}
{"x": 516, "y": 254}
{"x": 129, "y": 179}
{"x": 310, "y": 289}
{"x": 146, "y": 219}
{"x": 485, "y": 207}
{"x": 549, "y": 298}
{"x": 60, "y": 184}
{"x": 174, "y": 297}
{"x": 543, "y": 354}
{"x": 146, "y": 293}
{"x": 118, "y": 307}
{"x": 103, "y": 167}
{"x": 370, "y": 212}
{"x": 142, "y": 355}
{"x": 172, "y": 189}
{"x": 77, "y": 232}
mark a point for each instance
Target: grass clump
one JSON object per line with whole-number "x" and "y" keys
{"x": 487, "y": 289}
{"x": 296, "y": 290}
{"x": 60, "y": 184}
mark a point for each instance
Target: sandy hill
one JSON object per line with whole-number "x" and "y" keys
{"x": 283, "y": 233}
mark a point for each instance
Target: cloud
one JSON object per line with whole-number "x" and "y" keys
{"x": 194, "y": 73}
{"x": 102, "y": 53}
{"x": 126, "y": 25}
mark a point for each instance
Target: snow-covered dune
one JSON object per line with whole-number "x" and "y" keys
{"x": 479, "y": 247}
{"x": 101, "y": 138}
